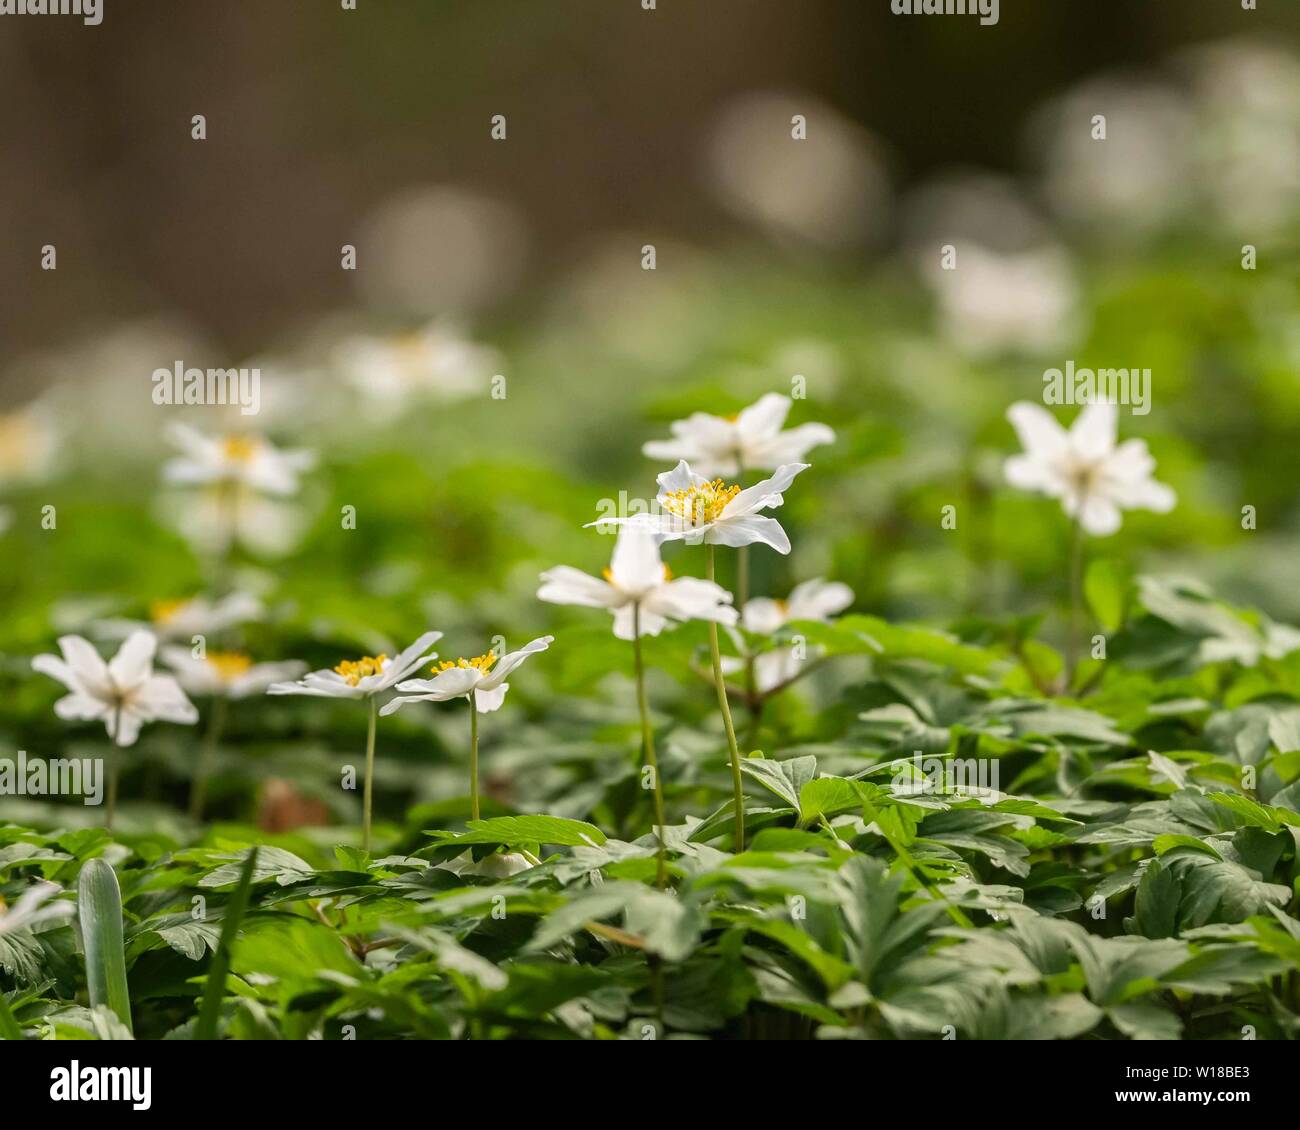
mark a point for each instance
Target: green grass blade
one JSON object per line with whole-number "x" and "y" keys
{"x": 9, "y": 1027}
{"x": 210, "y": 1007}
{"x": 99, "y": 904}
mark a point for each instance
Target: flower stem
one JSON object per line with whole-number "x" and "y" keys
{"x": 1074, "y": 640}
{"x": 211, "y": 740}
{"x": 110, "y": 808}
{"x": 648, "y": 745}
{"x": 473, "y": 757}
{"x": 720, "y": 683}
{"x": 369, "y": 789}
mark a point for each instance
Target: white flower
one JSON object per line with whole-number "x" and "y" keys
{"x": 123, "y": 693}
{"x": 1093, "y": 478}
{"x": 30, "y": 909}
{"x": 695, "y": 509}
{"x": 752, "y": 440}
{"x": 361, "y": 678}
{"x": 992, "y": 302}
{"x": 483, "y": 677}
{"x": 435, "y": 360}
{"x": 29, "y": 445}
{"x": 637, "y": 578}
{"x": 242, "y": 459}
{"x": 227, "y": 674}
{"x": 498, "y": 865}
{"x": 813, "y": 600}
{"x": 185, "y": 619}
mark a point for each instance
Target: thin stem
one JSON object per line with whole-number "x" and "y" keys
{"x": 114, "y": 769}
{"x": 648, "y": 748}
{"x": 207, "y": 751}
{"x": 1074, "y": 640}
{"x": 473, "y": 757}
{"x": 720, "y": 683}
{"x": 369, "y": 789}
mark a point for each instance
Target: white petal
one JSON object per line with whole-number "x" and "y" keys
{"x": 123, "y": 726}
{"x": 78, "y": 707}
{"x": 133, "y": 663}
{"x": 401, "y": 665}
{"x": 1092, "y": 435}
{"x": 1099, "y": 516}
{"x": 448, "y": 684}
{"x": 763, "y": 616}
{"x": 566, "y": 585}
{"x": 747, "y": 530}
{"x": 511, "y": 660}
{"x": 162, "y": 698}
{"x": 1029, "y": 472}
{"x": 680, "y": 477}
{"x": 788, "y": 447}
{"x": 764, "y": 494}
{"x": 818, "y": 600}
{"x": 689, "y": 598}
{"x": 1040, "y": 435}
{"x": 87, "y": 667}
{"x": 635, "y": 565}
{"x": 490, "y": 699}
{"x": 765, "y": 417}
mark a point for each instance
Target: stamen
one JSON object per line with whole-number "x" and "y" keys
{"x": 230, "y": 665}
{"x": 240, "y": 449}
{"x": 354, "y": 670}
{"x": 481, "y": 663}
{"x": 165, "y": 611}
{"x": 701, "y": 504}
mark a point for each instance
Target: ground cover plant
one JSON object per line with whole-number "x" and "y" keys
{"x": 748, "y": 643}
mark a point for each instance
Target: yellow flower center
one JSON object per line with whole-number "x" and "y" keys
{"x": 481, "y": 663}
{"x": 608, "y": 573}
{"x": 239, "y": 449}
{"x": 354, "y": 670}
{"x": 701, "y": 504}
{"x": 229, "y": 665}
{"x": 18, "y": 443}
{"x": 165, "y": 611}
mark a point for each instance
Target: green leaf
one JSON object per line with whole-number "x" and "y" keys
{"x": 515, "y": 830}
{"x": 99, "y": 910}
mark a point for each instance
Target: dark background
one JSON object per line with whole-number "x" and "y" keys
{"x": 316, "y": 114}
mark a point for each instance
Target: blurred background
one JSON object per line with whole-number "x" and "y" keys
{"x": 779, "y": 264}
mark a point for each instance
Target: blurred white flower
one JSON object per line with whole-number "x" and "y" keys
{"x": 29, "y": 445}
{"x": 435, "y": 362}
{"x": 362, "y": 678}
{"x": 244, "y": 459}
{"x": 227, "y": 674}
{"x": 991, "y": 302}
{"x": 695, "y": 509}
{"x": 482, "y": 677}
{"x": 123, "y": 693}
{"x": 829, "y": 188}
{"x": 1247, "y": 100}
{"x": 751, "y": 440}
{"x": 244, "y": 480}
{"x": 638, "y": 579}
{"x": 1140, "y": 177}
{"x": 187, "y": 618}
{"x": 1085, "y": 468}
{"x": 438, "y": 247}
{"x": 817, "y": 599}
{"x": 34, "y": 907}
